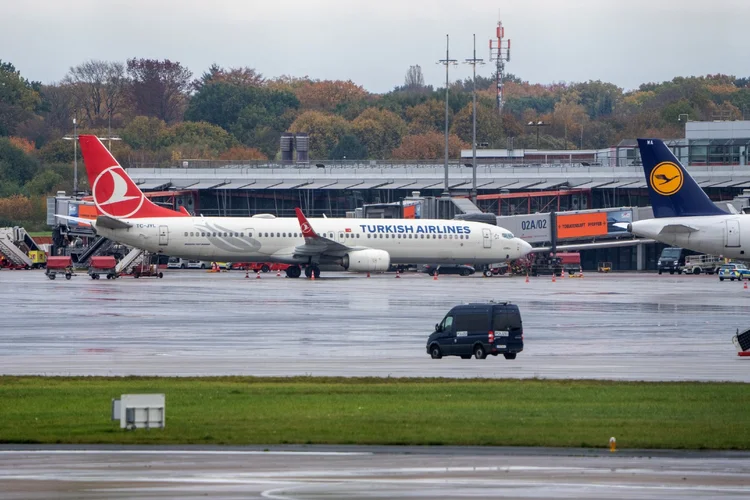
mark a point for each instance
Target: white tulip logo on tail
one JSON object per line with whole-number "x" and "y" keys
{"x": 305, "y": 228}
{"x": 115, "y": 194}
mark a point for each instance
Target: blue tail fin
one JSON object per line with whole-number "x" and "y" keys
{"x": 671, "y": 189}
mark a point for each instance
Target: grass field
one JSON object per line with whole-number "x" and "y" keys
{"x": 246, "y": 410}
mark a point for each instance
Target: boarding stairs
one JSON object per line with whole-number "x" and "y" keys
{"x": 129, "y": 260}
{"x": 98, "y": 247}
{"x": 13, "y": 240}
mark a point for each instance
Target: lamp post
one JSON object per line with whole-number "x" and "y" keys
{"x": 75, "y": 155}
{"x": 537, "y": 124}
{"x": 447, "y": 62}
{"x": 474, "y": 61}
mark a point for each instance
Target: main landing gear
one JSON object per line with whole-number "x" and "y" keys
{"x": 296, "y": 271}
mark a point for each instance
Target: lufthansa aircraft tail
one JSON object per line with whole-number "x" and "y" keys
{"x": 115, "y": 194}
{"x": 671, "y": 189}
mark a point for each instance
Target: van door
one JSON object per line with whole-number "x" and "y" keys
{"x": 163, "y": 235}
{"x": 487, "y": 238}
{"x": 447, "y": 339}
{"x": 733, "y": 233}
{"x": 472, "y": 326}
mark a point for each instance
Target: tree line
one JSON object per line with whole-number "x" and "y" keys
{"x": 164, "y": 114}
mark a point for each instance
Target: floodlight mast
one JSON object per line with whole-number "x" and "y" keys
{"x": 447, "y": 62}
{"x": 474, "y": 61}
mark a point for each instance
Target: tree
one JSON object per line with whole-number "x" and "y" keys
{"x": 242, "y": 153}
{"x": 60, "y": 101}
{"x": 199, "y": 138}
{"x": 426, "y": 117}
{"x": 380, "y": 131}
{"x": 324, "y": 129}
{"x": 145, "y": 132}
{"x": 57, "y": 151}
{"x": 489, "y": 125}
{"x": 15, "y": 165}
{"x": 414, "y": 79}
{"x": 159, "y": 88}
{"x": 327, "y": 95}
{"x": 349, "y": 148}
{"x": 98, "y": 88}
{"x": 18, "y": 99}
{"x": 430, "y": 146}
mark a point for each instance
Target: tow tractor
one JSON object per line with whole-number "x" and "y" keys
{"x": 59, "y": 265}
{"x": 604, "y": 267}
{"x": 144, "y": 270}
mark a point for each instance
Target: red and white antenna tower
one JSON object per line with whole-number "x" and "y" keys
{"x": 500, "y": 53}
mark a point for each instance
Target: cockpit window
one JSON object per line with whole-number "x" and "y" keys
{"x": 508, "y": 236}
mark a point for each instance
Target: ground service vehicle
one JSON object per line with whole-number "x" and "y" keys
{"x": 59, "y": 265}
{"x": 103, "y": 264}
{"x": 198, "y": 264}
{"x": 672, "y": 259}
{"x": 176, "y": 263}
{"x": 696, "y": 264}
{"x": 546, "y": 264}
{"x": 146, "y": 270}
{"x": 478, "y": 329}
{"x": 734, "y": 271}
{"x": 460, "y": 269}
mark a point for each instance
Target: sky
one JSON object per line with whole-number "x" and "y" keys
{"x": 374, "y": 43}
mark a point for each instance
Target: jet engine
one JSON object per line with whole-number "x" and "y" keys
{"x": 369, "y": 260}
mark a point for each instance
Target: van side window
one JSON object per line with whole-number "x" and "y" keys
{"x": 472, "y": 322}
{"x": 447, "y": 323}
{"x": 500, "y": 320}
{"x": 514, "y": 319}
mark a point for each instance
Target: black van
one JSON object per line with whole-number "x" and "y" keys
{"x": 479, "y": 330}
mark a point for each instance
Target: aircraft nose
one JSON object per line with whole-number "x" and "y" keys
{"x": 525, "y": 246}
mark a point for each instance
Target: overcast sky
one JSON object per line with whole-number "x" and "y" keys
{"x": 373, "y": 43}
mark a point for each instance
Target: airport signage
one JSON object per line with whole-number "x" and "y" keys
{"x": 533, "y": 228}
{"x": 582, "y": 225}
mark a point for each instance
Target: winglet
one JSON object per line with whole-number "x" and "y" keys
{"x": 307, "y": 230}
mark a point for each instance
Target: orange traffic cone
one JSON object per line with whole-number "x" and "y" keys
{"x": 312, "y": 276}
{"x": 278, "y": 273}
{"x": 247, "y": 273}
{"x": 257, "y": 275}
{"x": 434, "y": 276}
{"x": 553, "y": 277}
{"x": 398, "y": 275}
{"x": 745, "y": 287}
{"x": 527, "y": 278}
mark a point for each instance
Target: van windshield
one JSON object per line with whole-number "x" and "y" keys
{"x": 173, "y": 259}
{"x": 671, "y": 253}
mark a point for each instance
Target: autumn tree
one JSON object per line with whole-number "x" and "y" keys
{"x": 159, "y": 88}
{"x": 489, "y": 125}
{"x": 324, "y": 129}
{"x": 98, "y": 89}
{"x": 18, "y": 98}
{"x": 426, "y": 117}
{"x": 198, "y": 140}
{"x": 60, "y": 101}
{"x": 15, "y": 165}
{"x": 429, "y": 146}
{"x": 380, "y": 131}
{"x": 414, "y": 79}
{"x": 145, "y": 132}
{"x": 327, "y": 95}
{"x": 16, "y": 208}
{"x": 242, "y": 153}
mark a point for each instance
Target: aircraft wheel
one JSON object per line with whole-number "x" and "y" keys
{"x": 293, "y": 272}
{"x": 316, "y": 272}
{"x": 308, "y": 271}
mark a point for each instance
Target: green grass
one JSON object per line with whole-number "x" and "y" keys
{"x": 246, "y": 410}
{"x": 35, "y": 234}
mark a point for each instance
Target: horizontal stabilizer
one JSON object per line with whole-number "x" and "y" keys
{"x": 678, "y": 229}
{"x": 111, "y": 222}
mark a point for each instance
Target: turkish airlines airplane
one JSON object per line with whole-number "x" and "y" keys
{"x": 362, "y": 245}
{"x": 684, "y": 215}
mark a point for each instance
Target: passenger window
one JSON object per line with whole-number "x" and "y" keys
{"x": 357, "y": 235}
{"x": 368, "y": 235}
{"x": 186, "y": 233}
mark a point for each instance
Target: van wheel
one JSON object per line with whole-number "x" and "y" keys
{"x": 182, "y": 266}
{"x": 510, "y": 355}
{"x": 435, "y": 352}
{"x": 465, "y": 272}
{"x": 479, "y": 352}
{"x": 488, "y": 273}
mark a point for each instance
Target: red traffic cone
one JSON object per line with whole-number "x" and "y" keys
{"x": 398, "y": 275}
{"x": 434, "y": 276}
{"x": 745, "y": 287}
{"x": 278, "y": 273}
{"x": 312, "y": 276}
{"x": 247, "y": 273}
{"x": 553, "y": 277}
{"x": 257, "y": 275}
{"x": 527, "y": 278}
{"x": 368, "y": 274}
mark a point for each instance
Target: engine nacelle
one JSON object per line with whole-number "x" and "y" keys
{"x": 369, "y": 260}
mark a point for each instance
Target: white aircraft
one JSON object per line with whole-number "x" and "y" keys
{"x": 684, "y": 215}
{"x": 363, "y": 245}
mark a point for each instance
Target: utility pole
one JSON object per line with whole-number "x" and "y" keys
{"x": 474, "y": 61}
{"x": 500, "y": 53}
{"x": 447, "y": 62}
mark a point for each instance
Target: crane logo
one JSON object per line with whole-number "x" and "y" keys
{"x": 115, "y": 194}
{"x": 666, "y": 178}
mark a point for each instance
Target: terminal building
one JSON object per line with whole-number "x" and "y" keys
{"x": 523, "y": 184}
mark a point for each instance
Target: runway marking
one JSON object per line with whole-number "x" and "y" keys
{"x": 183, "y": 452}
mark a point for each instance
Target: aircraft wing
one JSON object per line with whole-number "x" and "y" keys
{"x": 590, "y": 246}
{"x": 678, "y": 228}
{"x": 316, "y": 244}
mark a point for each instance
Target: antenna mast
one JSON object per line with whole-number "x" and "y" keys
{"x": 500, "y": 53}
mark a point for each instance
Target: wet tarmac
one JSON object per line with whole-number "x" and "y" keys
{"x": 367, "y": 472}
{"x": 613, "y": 326}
